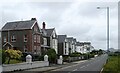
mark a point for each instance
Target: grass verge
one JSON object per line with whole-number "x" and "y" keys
{"x": 112, "y": 65}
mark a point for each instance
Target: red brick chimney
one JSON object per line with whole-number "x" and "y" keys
{"x": 43, "y": 25}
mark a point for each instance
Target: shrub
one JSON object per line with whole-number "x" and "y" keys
{"x": 13, "y": 54}
{"x": 52, "y": 56}
{"x": 76, "y": 54}
{"x": 66, "y": 58}
{"x": 41, "y": 58}
{"x": 3, "y": 56}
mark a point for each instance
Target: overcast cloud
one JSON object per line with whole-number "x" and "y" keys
{"x": 78, "y": 19}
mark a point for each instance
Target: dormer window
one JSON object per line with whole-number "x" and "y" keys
{"x": 25, "y": 38}
{"x": 13, "y": 38}
{"x": 5, "y": 39}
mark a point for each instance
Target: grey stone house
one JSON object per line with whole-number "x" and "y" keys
{"x": 52, "y": 39}
{"x": 63, "y": 48}
{"x": 44, "y": 45}
{"x": 22, "y": 35}
{"x": 49, "y": 39}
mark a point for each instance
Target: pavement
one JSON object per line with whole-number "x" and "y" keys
{"x": 93, "y": 64}
{"x": 50, "y": 68}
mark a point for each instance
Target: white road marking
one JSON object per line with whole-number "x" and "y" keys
{"x": 82, "y": 67}
{"x": 69, "y": 66}
{"x": 69, "y": 72}
{"x": 74, "y": 69}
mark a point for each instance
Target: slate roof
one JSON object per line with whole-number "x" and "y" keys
{"x": 70, "y": 39}
{"x": 61, "y": 38}
{"x": 49, "y": 31}
{"x": 18, "y": 25}
{"x": 79, "y": 43}
{"x": 74, "y": 40}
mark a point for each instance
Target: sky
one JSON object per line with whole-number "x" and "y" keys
{"x": 79, "y": 19}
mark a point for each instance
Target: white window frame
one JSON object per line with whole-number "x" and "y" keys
{"x": 38, "y": 38}
{"x": 13, "y": 39}
{"x": 25, "y": 48}
{"x": 34, "y": 38}
{"x": 25, "y": 38}
{"x": 35, "y": 49}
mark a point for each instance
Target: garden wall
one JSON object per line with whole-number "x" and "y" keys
{"x": 25, "y": 65}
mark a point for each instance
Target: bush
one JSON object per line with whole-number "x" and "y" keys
{"x": 65, "y": 58}
{"x": 76, "y": 54}
{"x": 91, "y": 55}
{"x": 41, "y": 58}
{"x": 13, "y": 54}
{"x": 3, "y": 56}
{"x": 52, "y": 56}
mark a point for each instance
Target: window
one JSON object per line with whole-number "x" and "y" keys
{"x": 35, "y": 49}
{"x": 65, "y": 51}
{"x": 13, "y": 38}
{"x": 25, "y": 48}
{"x": 45, "y": 41}
{"x": 38, "y": 38}
{"x": 25, "y": 38}
{"x": 65, "y": 44}
{"x": 34, "y": 38}
{"x": 5, "y": 39}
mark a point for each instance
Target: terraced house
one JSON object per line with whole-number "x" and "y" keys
{"x": 63, "y": 48}
{"x": 50, "y": 38}
{"x": 84, "y": 47}
{"x": 22, "y": 35}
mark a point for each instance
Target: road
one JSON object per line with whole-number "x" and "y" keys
{"x": 90, "y": 66}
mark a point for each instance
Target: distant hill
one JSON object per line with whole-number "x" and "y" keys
{"x": 113, "y": 50}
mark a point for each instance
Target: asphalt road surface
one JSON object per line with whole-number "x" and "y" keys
{"x": 90, "y": 66}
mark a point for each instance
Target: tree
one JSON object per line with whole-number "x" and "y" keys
{"x": 13, "y": 54}
{"x": 52, "y": 56}
{"x": 100, "y": 51}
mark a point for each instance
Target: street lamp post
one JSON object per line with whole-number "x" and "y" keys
{"x": 107, "y": 26}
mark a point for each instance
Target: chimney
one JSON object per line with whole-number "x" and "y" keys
{"x": 43, "y": 25}
{"x": 33, "y": 18}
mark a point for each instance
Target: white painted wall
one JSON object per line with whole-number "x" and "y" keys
{"x": 67, "y": 48}
{"x": 22, "y": 66}
{"x": 55, "y": 45}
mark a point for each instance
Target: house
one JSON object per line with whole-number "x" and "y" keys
{"x": 74, "y": 44}
{"x": 44, "y": 45}
{"x": 87, "y": 47}
{"x": 70, "y": 44}
{"x": 84, "y": 47}
{"x": 51, "y": 38}
{"x": 63, "y": 48}
{"x": 80, "y": 47}
{"x": 22, "y": 35}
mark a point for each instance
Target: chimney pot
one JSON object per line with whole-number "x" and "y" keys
{"x": 33, "y": 18}
{"x": 44, "y": 25}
